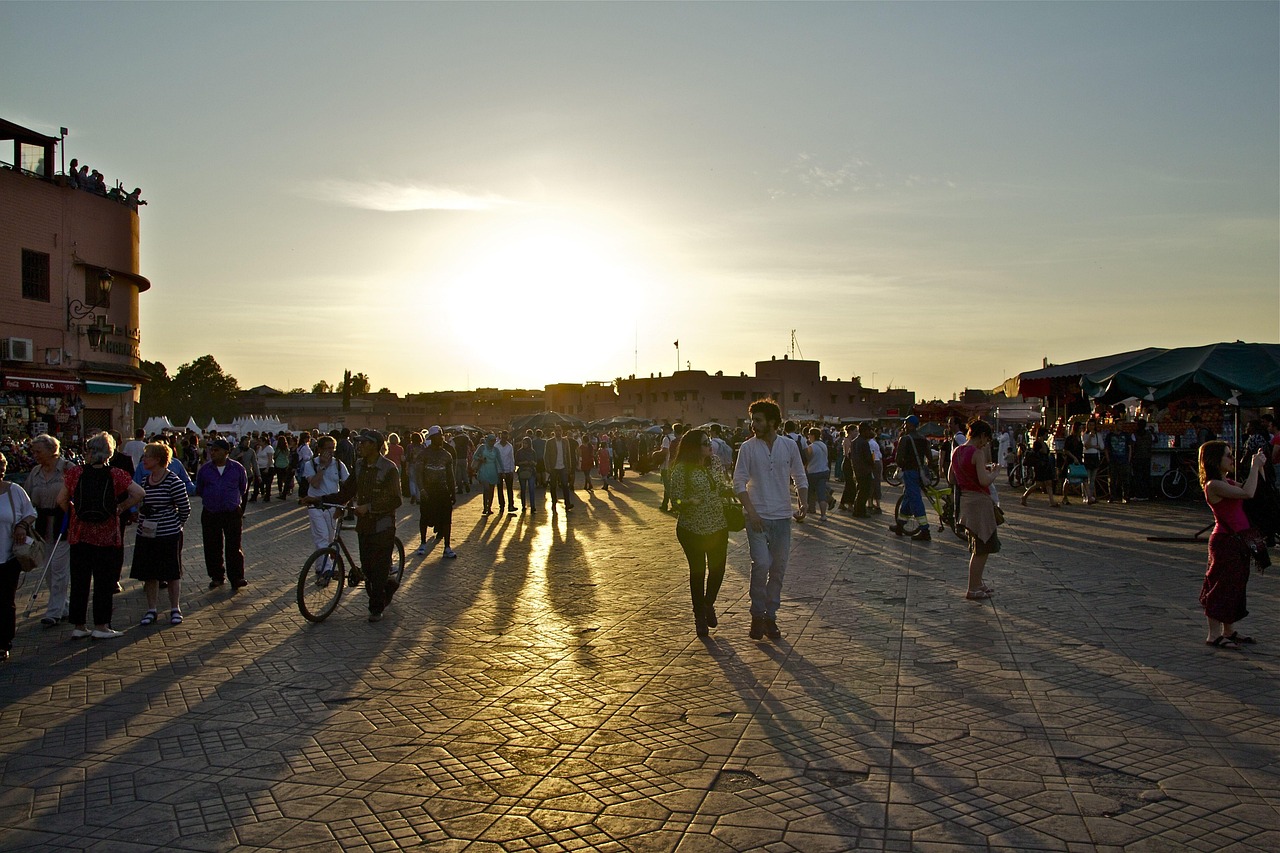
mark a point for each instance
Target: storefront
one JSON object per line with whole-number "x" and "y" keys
{"x": 33, "y": 405}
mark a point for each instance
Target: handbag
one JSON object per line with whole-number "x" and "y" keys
{"x": 734, "y": 515}
{"x": 29, "y": 553}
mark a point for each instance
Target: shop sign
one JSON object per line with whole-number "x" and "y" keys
{"x": 41, "y": 386}
{"x": 891, "y": 413}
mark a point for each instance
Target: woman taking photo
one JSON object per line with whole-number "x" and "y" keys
{"x": 157, "y": 548}
{"x": 972, "y": 470}
{"x": 1222, "y": 595}
{"x": 697, "y": 483}
{"x": 44, "y": 481}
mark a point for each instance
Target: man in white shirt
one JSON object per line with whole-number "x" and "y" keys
{"x": 506, "y": 472}
{"x": 133, "y": 449}
{"x": 767, "y": 463}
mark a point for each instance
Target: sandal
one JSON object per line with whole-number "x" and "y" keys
{"x": 1236, "y": 638}
{"x": 978, "y": 594}
{"x": 148, "y": 618}
{"x": 1222, "y": 643}
{"x": 175, "y": 617}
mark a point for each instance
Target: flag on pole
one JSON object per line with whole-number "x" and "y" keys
{"x": 676, "y": 345}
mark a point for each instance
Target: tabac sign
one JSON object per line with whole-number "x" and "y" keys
{"x": 39, "y": 385}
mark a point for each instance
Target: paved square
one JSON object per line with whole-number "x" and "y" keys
{"x": 546, "y": 691}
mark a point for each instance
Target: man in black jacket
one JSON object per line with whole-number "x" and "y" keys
{"x": 375, "y": 487}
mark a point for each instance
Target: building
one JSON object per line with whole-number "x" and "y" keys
{"x": 69, "y": 292}
{"x": 797, "y": 385}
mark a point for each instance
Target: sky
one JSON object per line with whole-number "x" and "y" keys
{"x": 449, "y": 196}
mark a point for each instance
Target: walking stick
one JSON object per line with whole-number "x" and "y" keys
{"x": 47, "y": 563}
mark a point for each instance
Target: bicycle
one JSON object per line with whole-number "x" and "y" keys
{"x": 938, "y": 495}
{"x": 324, "y": 575}
{"x": 1180, "y": 477}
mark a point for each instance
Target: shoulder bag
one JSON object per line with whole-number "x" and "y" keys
{"x": 29, "y": 553}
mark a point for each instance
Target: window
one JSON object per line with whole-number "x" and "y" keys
{"x": 727, "y": 395}
{"x": 833, "y": 398}
{"x": 35, "y": 275}
{"x": 795, "y": 398}
{"x": 93, "y": 294}
{"x": 739, "y": 395}
{"x": 680, "y": 395}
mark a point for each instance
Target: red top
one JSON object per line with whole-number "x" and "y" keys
{"x": 966, "y": 471}
{"x": 107, "y": 533}
{"x": 1229, "y": 513}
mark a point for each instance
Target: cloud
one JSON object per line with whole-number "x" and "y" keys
{"x": 383, "y": 195}
{"x": 807, "y": 176}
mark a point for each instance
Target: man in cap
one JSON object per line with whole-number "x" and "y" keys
{"x": 438, "y": 492}
{"x": 913, "y": 459}
{"x": 222, "y": 485}
{"x": 375, "y": 490}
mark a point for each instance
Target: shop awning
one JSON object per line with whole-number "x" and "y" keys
{"x": 1242, "y": 374}
{"x": 92, "y": 387}
{"x": 41, "y": 385}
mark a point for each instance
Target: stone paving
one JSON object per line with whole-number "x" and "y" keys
{"x": 546, "y": 691}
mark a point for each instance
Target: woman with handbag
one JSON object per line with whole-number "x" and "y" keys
{"x": 698, "y": 484}
{"x": 1222, "y": 595}
{"x": 157, "y": 548}
{"x": 17, "y": 523}
{"x": 973, "y": 472}
{"x": 44, "y": 481}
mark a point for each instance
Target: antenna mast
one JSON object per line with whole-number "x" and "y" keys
{"x": 795, "y": 345}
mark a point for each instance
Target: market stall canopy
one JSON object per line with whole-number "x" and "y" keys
{"x": 546, "y": 420}
{"x": 154, "y": 426}
{"x": 1238, "y": 373}
{"x": 1039, "y": 383}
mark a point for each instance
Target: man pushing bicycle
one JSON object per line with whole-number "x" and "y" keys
{"x": 375, "y": 489}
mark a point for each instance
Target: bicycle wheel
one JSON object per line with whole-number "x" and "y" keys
{"x": 320, "y": 584}
{"x": 893, "y": 474}
{"x": 906, "y": 523}
{"x": 396, "y": 574}
{"x": 949, "y": 519}
{"x": 1174, "y": 484}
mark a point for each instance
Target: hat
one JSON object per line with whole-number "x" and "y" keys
{"x": 220, "y": 444}
{"x": 913, "y": 420}
{"x": 435, "y": 430}
{"x": 371, "y": 435}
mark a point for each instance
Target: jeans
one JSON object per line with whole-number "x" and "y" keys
{"x": 529, "y": 491}
{"x": 707, "y": 555}
{"x": 770, "y": 549}
{"x": 222, "y": 554}
{"x": 375, "y": 560}
{"x": 818, "y": 490}
{"x": 911, "y": 491}
{"x": 864, "y": 478}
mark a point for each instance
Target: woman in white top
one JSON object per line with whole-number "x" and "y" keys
{"x": 819, "y": 470}
{"x": 877, "y": 464}
{"x": 17, "y": 521}
{"x": 325, "y": 474}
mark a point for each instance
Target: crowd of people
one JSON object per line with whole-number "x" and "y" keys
{"x": 81, "y": 178}
{"x": 81, "y": 502}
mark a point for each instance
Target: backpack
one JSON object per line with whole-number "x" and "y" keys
{"x": 95, "y": 495}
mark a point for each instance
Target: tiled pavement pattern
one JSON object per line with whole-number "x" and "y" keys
{"x": 546, "y": 691}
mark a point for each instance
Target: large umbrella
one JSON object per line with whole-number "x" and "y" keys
{"x": 1238, "y": 373}
{"x": 462, "y": 428}
{"x": 619, "y": 421}
{"x": 546, "y": 420}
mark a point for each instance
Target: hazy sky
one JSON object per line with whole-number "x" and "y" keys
{"x": 446, "y": 196}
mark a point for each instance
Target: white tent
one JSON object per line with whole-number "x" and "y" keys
{"x": 157, "y": 425}
{"x": 192, "y": 426}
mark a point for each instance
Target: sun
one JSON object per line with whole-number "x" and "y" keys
{"x": 562, "y": 296}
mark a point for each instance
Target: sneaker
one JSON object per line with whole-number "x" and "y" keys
{"x": 108, "y": 634}
{"x": 709, "y": 613}
{"x": 375, "y": 617}
{"x": 757, "y": 628}
{"x": 239, "y": 583}
{"x": 450, "y": 554}
{"x": 512, "y": 511}
{"x": 216, "y": 582}
{"x": 922, "y": 535}
{"x": 771, "y": 629}
{"x": 80, "y": 633}
{"x": 48, "y": 621}
{"x": 422, "y": 549}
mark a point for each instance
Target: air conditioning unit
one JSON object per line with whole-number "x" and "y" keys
{"x": 17, "y": 349}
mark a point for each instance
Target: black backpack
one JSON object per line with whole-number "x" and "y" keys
{"x": 95, "y": 495}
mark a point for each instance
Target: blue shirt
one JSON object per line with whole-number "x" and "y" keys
{"x": 222, "y": 492}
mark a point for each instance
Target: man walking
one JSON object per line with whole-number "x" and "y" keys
{"x": 438, "y": 494}
{"x": 375, "y": 489}
{"x": 506, "y": 472}
{"x": 767, "y": 464}
{"x": 558, "y": 459}
{"x": 221, "y": 485}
